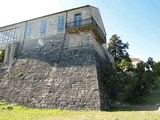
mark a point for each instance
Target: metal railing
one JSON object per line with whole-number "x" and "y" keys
{"x": 85, "y": 22}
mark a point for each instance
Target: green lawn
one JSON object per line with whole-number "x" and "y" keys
{"x": 22, "y": 113}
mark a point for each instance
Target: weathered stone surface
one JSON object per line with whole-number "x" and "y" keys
{"x": 75, "y": 82}
{"x": 65, "y": 72}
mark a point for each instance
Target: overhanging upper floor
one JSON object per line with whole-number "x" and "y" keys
{"x": 87, "y": 25}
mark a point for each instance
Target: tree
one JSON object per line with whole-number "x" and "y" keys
{"x": 124, "y": 65}
{"x": 156, "y": 69}
{"x": 151, "y": 63}
{"x": 132, "y": 84}
{"x": 118, "y": 49}
{"x": 144, "y": 80}
{"x": 156, "y": 73}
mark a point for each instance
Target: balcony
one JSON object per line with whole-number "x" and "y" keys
{"x": 87, "y": 25}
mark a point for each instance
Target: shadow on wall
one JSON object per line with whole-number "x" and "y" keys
{"x": 70, "y": 57}
{"x": 40, "y": 63}
{"x": 37, "y": 82}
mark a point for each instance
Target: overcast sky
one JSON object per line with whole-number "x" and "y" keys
{"x": 135, "y": 21}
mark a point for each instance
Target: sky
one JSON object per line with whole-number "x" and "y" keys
{"x": 134, "y": 21}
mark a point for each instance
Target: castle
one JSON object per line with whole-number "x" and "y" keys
{"x": 56, "y": 61}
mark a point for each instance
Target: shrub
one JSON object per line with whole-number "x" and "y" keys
{"x": 19, "y": 74}
{"x": 131, "y": 86}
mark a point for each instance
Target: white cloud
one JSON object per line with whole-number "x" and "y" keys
{"x": 13, "y": 11}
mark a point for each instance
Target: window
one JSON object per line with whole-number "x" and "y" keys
{"x": 43, "y": 28}
{"x": 60, "y": 24}
{"x": 77, "y": 20}
{"x": 9, "y": 35}
{"x": 5, "y": 37}
{"x": 12, "y": 34}
{"x": 28, "y": 31}
{"x": 1, "y": 37}
{"x": 16, "y": 35}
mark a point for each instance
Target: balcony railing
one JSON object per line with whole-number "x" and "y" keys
{"x": 85, "y": 23}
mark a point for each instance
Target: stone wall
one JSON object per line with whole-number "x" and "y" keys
{"x": 38, "y": 80}
{"x": 43, "y": 77}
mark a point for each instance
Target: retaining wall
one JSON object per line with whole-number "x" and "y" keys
{"x": 75, "y": 81}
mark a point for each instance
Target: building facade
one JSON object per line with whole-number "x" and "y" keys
{"x": 135, "y": 61}
{"x": 78, "y": 23}
{"x": 66, "y": 50}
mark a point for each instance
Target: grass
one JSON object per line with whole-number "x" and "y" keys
{"x": 150, "y": 103}
{"x": 22, "y": 113}
{"x": 144, "y": 111}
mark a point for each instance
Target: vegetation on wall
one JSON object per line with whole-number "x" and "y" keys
{"x": 126, "y": 82}
{"x": 1, "y": 56}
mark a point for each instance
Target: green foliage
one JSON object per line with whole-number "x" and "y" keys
{"x": 22, "y": 113}
{"x": 110, "y": 78}
{"x": 134, "y": 83}
{"x": 3, "y": 103}
{"x": 1, "y": 56}
{"x": 19, "y": 74}
{"x": 156, "y": 69}
{"x": 6, "y": 75}
{"x": 5, "y": 106}
{"x": 124, "y": 65}
{"x": 156, "y": 73}
{"x": 128, "y": 83}
{"x": 9, "y": 108}
{"x": 27, "y": 60}
{"x": 118, "y": 49}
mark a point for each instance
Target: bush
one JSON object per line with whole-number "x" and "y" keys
{"x": 133, "y": 85}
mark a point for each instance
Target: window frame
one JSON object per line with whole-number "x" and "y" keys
{"x": 29, "y": 29}
{"x": 10, "y": 35}
{"x": 43, "y": 28}
{"x": 61, "y": 23}
{"x": 77, "y": 20}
